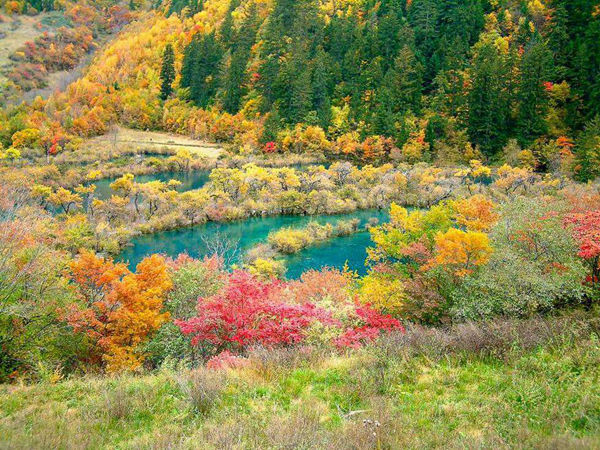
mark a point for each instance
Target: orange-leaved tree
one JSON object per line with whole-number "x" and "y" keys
{"x": 121, "y": 309}
{"x": 460, "y": 252}
{"x": 475, "y": 213}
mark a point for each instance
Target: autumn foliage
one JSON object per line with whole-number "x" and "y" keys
{"x": 461, "y": 251}
{"x": 418, "y": 250}
{"x": 121, "y": 309}
{"x": 475, "y": 213}
{"x": 586, "y": 231}
{"x": 250, "y": 312}
{"x": 315, "y": 285}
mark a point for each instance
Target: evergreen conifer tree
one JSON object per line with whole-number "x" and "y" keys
{"x": 167, "y": 72}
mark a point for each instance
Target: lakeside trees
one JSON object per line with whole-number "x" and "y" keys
{"x": 426, "y": 96}
{"x": 484, "y": 246}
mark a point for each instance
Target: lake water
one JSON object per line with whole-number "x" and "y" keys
{"x": 240, "y": 236}
{"x": 194, "y": 179}
{"x": 189, "y": 180}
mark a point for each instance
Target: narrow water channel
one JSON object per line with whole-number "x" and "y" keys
{"x": 240, "y": 236}
{"x": 189, "y": 180}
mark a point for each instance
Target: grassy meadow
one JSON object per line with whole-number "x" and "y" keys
{"x": 517, "y": 384}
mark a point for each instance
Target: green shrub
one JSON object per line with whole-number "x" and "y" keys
{"x": 534, "y": 267}
{"x": 191, "y": 280}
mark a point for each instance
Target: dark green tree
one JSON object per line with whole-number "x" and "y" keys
{"x": 388, "y": 31}
{"x": 200, "y": 68}
{"x": 588, "y": 151}
{"x": 532, "y": 96}
{"x": 488, "y": 106}
{"x": 233, "y": 82}
{"x": 233, "y": 86}
{"x": 275, "y": 38}
{"x": 167, "y": 72}
{"x": 321, "y": 86}
{"x": 400, "y": 92}
{"x": 404, "y": 81}
{"x": 271, "y": 127}
{"x": 41, "y": 5}
{"x": 226, "y": 31}
{"x": 574, "y": 38}
{"x": 586, "y": 62}
{"x": 364, "y": 101}
{"x": 191, "y": 6}
{"x": 188, "y": 69}
{"x": 295, "y": 92}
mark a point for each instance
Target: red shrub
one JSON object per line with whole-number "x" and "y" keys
{"x": 270, "y": 147}
{"x": 586, "y": 231}
{"x": 251, "y": 312}
{"x": 373, "y": 324}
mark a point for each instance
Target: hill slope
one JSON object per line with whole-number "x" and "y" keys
{"x": 413, "y": 80}
{"x": 411, "y": 392}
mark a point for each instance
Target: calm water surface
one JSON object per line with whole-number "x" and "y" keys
{"x": 189, "y": 180}
{"x": 243, "y": 235}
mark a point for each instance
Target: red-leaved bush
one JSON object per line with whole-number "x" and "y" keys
{"x": 586, "y": 231}
{"x": 249, "y": 312}
{"x": 374, "y": 323}
{"x": 270, "y": 147}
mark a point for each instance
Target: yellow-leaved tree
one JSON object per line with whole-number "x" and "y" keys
{"x": 475, "y": 213}
{"x": 460, "y": 252}
{"x": 384, "y": 292}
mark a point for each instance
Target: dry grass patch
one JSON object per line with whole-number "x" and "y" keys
{"x": 121, "y": 140}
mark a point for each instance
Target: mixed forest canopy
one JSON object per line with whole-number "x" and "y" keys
{"x": 497, "y": 70}
{"x": 441, "y": 81}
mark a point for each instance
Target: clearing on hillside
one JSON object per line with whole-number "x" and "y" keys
{"x": 120, "y": 139}
{"x": 14, "y": 33}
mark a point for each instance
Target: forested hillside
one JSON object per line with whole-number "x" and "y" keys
{"x": 423, "y": 80}
{"x": 520, "y": 70}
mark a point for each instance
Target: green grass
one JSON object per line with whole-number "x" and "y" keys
{"x": 548, "y": 396}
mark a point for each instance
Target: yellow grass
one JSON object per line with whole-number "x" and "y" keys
{"x": 123, "y": 138}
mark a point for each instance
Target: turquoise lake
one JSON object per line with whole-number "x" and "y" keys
{"x": 189, "y": 180}
{"x": 243, "y": 235}
{"x": 194, "y": 179}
